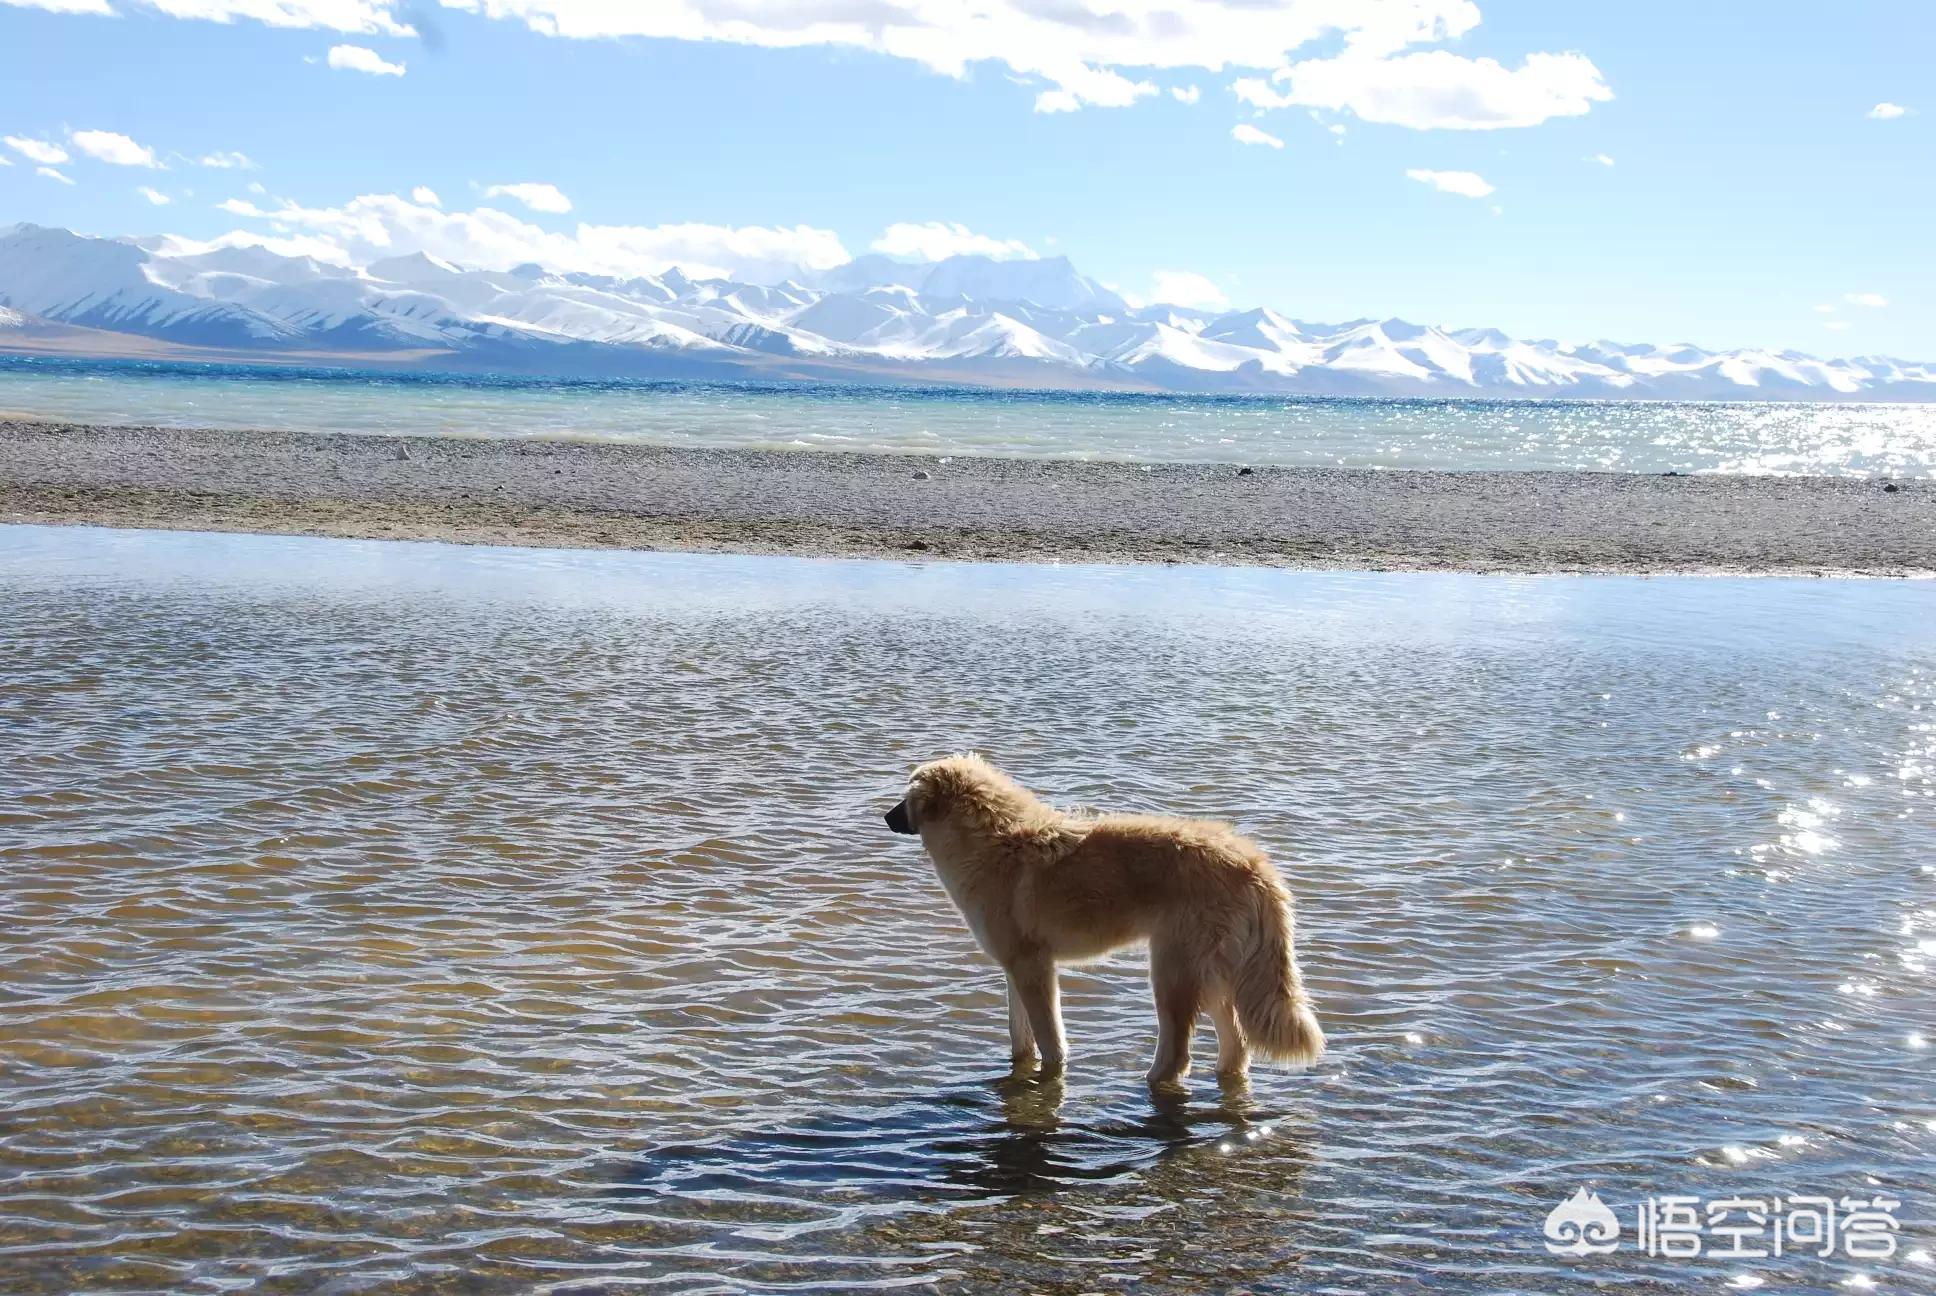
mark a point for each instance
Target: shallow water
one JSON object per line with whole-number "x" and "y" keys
{"x": 406, "y": 917}
{"x": 1638, "y": 436}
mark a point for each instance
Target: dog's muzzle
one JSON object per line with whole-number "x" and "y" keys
{"x": 897, "y": 819}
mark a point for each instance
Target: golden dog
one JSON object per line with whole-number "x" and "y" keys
{"x": 1039, "y": 887}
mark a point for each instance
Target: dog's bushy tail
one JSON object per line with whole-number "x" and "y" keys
{"x": 1271, "y": 1004}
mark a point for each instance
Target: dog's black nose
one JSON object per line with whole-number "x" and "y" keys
{"x": 897, "y": 819}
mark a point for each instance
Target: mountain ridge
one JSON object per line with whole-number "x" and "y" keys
{"x": 966, "y": 320}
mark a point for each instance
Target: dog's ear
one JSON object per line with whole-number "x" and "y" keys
{"x": 915, "y": 803}
{"x": 927, "y": 793}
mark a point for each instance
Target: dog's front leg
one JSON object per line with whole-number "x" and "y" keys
{"x": 1032, "y": 978}
{"x": 1021, "y": 1037}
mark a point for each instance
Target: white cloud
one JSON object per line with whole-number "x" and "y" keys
{"x": 304, "y": 245}
{"x": 4, "y": 159}
{"x": 938, "y": 240}
{"x": 1186, "y": 94}
{"x": 1187, "y": 288}
{"x": 538, "y": 197}
{"x": 1084, "y": 51}
{"x": 52, "y": 174}
{"x": 1078, "y": 46}
{"x": 226, "y": 161}
{"x": 426, "y": 195}
{"x": 239, "y": 207}
{"x": 153, "y": 195}
{"x": 1865, "y": 299}
{"x": 1826, "y": 309}
{"x": 1887, "y": 112}
{"x": 37, "y": 150}
{"x": 1245, "y": 133}
{"x": 382, "y": 225}
{"x": 1436, "y": 89}
{"x": 357, "y": 58}
{"x": 1602, "y": 159}
{"x": 1837, "y": 324}
{"x": 1098, "y": 87}
{"x": 1466, "y": 184}
{"x": 258, "y": 188}
{"x": 334, "y": 15}
{"x": 119, "y": 150}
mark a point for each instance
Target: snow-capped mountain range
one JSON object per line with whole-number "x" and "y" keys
{"x": 968, "y": 319}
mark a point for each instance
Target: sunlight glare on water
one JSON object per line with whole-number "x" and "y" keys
{"x": 1635, "y": 436}
{"x": 407, "y": 917}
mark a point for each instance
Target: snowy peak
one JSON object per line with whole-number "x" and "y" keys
{"x": 1049, "y": 282}
{"x": 963, "y": 319}
{"x": 418, "y": 267}
{"x": 1263, "y": 329}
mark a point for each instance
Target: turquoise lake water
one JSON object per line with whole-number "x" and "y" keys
{"x": 1835, "y": 440}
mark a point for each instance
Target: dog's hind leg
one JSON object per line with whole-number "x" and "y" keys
{"x": 1021, "y": 1036}
{"x": 1233, "y": 1049}
{"x": 1179, "y": 997}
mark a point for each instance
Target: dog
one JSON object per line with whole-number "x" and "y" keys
{"x": 1039, "y": 887}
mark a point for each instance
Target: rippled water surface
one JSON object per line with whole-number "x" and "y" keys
{"x": 1635, "y": 436}
{"x": 396, "y": 917}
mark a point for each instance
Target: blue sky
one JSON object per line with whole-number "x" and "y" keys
{"x": 1434, "y": 159}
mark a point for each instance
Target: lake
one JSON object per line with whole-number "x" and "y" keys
{"x": 381, "y": 916}
{"x": 1858, "y": 440}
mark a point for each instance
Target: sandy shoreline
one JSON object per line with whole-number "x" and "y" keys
{"x": 574, "y": 494}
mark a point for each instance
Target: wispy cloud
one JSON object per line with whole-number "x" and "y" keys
{"x": 1602, "y": 159}
{"x": 226, "y": 161}
{"x": 359, "y": 58}
{"x": 52, "y": 174}
{"x": 64, "y": 6}
{"x": 1435, "y": 89}
{"x": 1466, "y": 184}
{"x": 154, "y": 195}
{"x": 36, "y": 150}
{"x": 1245, "y": 133}
{"x": 1186, "y": 94}
{"x": 1087, "y": 55}
{"x": 114, "y": 148}
{"x": 938, "y": 240}
{"x": 1887, "y": 112}
{"x": 538, "y": 197}
{"x": 1865, "y": 299}
{"x": 383, "y": 225}
{"x": 373, "y": 16}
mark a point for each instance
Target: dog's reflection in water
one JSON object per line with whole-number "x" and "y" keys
{"x": 992, "y": 1138}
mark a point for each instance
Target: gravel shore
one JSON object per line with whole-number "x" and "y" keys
{"x": 576, "y": 494}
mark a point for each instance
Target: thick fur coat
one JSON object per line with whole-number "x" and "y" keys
{"x": 1039, "y": 887}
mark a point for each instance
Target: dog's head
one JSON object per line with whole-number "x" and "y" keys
{"x": 937, "y": 789}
